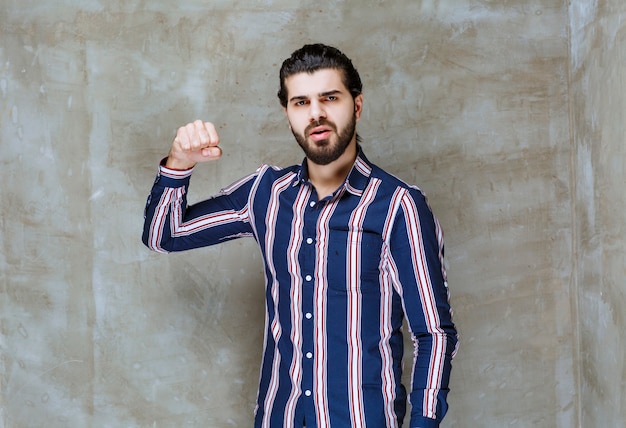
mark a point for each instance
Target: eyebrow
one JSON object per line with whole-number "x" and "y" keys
{"x": 320, "y": 95}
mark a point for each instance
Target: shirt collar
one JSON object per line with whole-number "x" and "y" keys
{"x": 355, "y": 182}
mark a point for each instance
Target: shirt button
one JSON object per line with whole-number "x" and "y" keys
{"x": 312, "y": 204}
{"x": 308, "y": 278}
{"x": 309, "y": 355}
{"x": 307, "y": 393}
{"x": 308, "y": 315}
{"x": 309, "y": 240}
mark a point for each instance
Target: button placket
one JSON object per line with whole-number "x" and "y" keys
{"x": 307, "y": 268}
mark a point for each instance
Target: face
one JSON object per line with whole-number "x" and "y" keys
{"x": 322, "y": 114}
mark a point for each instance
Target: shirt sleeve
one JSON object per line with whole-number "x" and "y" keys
{"x": 170, "y": 225}
{"x": 416, "y": 247}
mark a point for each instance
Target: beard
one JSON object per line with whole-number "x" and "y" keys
{"x": 324, "y": 152}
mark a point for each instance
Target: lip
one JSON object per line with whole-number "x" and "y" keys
{"x": 319, "y": 133}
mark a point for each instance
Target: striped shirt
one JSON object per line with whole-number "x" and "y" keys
{"x": 341, "y": 275}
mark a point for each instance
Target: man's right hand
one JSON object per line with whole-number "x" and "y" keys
{"x": 195, "y": 142}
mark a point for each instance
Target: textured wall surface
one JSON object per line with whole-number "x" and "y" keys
{"x": 598, "y": 123}
{"x": 466, "y": 98}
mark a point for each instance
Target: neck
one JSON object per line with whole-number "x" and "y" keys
{"x": 327, "y": 178}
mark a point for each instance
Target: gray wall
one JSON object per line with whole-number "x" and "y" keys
{"x": 598, "y": 58}
{"x": 508, "y": 114}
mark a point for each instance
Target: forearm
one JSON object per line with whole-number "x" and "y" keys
{"x": 431, "y": 376}
{"x": 169, "y": 188}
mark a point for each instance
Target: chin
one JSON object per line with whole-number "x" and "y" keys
{"x": 320, "y": 143}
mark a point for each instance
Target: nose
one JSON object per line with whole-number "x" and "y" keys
{"x": 316, "y": 111}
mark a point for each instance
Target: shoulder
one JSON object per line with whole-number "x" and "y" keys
{"x": 264, "y": 176}
{"x": 268, "y": 176}
{"x": 273, "y": 172}
{"x": 392, "y": 183}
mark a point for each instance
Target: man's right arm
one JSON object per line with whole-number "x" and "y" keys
{"x": 169, "y": 224}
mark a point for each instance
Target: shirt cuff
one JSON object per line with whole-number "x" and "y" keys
{"x": 175, "y": 173}
{"x": 424, "y": 423}
{"x": 168, "y": 177}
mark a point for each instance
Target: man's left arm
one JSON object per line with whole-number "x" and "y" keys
{"x": 416, "y": 249}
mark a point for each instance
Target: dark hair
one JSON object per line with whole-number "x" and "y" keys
{"x": 311, "y": 58}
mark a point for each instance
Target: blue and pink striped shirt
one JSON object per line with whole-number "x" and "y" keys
{"x": 341, "y": 275}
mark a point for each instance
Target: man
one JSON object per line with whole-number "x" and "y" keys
{"x": 348, "y": 252}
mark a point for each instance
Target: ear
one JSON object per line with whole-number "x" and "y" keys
{"x": 358, "y": 106}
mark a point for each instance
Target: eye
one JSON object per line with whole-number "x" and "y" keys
{"x": 300, "y": 103}
{"x": 331, "y": 98}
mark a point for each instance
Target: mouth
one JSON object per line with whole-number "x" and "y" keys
{"x": 320, "y": 133}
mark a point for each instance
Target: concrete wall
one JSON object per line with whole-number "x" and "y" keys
{"x": 466, "y": 98}
{"x": 598, "y": 99}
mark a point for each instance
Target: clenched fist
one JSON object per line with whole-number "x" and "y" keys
{"x": 195, "y": 142}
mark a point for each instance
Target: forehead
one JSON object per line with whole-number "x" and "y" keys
{"x": 320, "y": 81}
